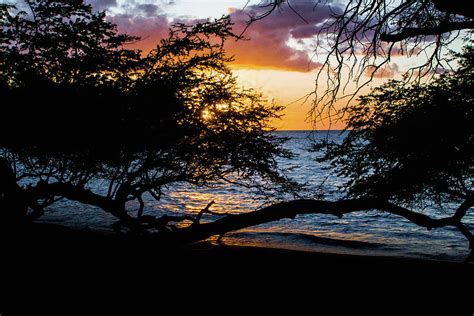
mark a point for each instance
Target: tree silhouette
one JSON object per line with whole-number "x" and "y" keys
{"x": 411, "y": 141}
{"x": 62, "y": 41}
{"x": 411, "y": 144}
{"x": 79, "y": 107}
{"x": 71, "y": 117}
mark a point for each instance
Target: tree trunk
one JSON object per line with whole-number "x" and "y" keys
{"x": 13, "y": 200}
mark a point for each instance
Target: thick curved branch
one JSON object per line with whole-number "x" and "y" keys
{"x": 463, "y": 208}
{"x": 414, "y": 32}
{"x": 290, "y": 209}
{"x": 455, "y": 7}
{"x": 75, "y": 193}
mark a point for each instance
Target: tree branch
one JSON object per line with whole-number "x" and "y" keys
{"x": 463, "y": 208}
{"x": 291, "y": 209}
{"x": 413, "y": 32}
{"x": 204, "y": 210}
{"x": 455, "y": 7}
{"x": 76, "y": 193}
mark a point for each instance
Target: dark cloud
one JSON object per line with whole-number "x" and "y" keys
{"x": 305, "y": 31}
{"x": 148, "y": 9}
{"x": 101, "y": 5}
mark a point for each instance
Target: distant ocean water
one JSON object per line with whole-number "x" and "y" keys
{"x": 367, "y": 233}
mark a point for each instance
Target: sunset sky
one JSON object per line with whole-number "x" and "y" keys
{"x": 277, "y": 59}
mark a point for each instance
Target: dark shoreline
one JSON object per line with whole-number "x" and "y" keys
{"x": 48, "y": 261}
{"x": 57, "y": 240}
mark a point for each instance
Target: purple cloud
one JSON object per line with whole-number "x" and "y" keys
{"x": 148, "y": 9}
{"x": 101, "y": 5}
{"x": 269, "y": 36}
{"x": 150, "y": 28}
{"x": 267, "y": 46}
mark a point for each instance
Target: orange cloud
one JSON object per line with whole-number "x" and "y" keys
{"x": 266, "y": 46}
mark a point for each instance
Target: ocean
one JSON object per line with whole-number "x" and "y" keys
{"x": 361, "y": 233}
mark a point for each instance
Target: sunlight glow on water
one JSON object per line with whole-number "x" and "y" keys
{"x": 372, "y": 232}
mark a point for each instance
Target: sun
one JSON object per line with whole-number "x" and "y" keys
{"x": 206, "y": 115}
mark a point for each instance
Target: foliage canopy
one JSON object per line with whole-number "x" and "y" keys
{"x": 411, "y": 142}
{"x": 79, "y": 107}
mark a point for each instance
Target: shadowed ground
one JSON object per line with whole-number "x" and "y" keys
{"x": 56, "y": 264}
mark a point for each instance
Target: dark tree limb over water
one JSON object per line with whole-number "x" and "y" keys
{"x": 167, "y": 232}
{"x": 339, "y": 208}
{"x": 76, "y": 193}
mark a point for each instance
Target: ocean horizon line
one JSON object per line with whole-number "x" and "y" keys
{"x": 309, "y": 130}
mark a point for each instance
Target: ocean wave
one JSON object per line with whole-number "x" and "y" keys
{"x": 284, "y": 237}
